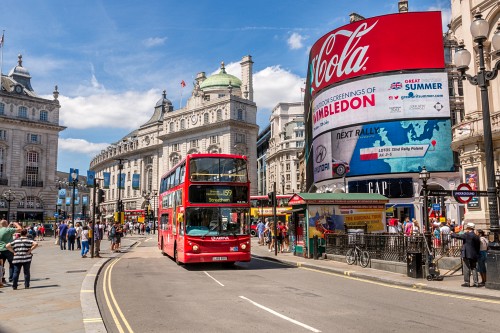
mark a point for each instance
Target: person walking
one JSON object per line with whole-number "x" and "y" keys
{"x": 22, "y": 249}
{"x": 97, "y": 235}
{"x": 470, "y": 253}
{"x": 78, "y": 235}
{"x": 6, "y": 233}
{"x": 71, "y": 237}
{"x": 481, "y": 262}
{"x": 84, "y": 236}
{"x": 63, "y": 235}
{"x": 260, "y": 230}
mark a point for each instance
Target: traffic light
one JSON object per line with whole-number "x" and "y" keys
{"x": 272, "y": 198}
{"x": 101, "y": 196}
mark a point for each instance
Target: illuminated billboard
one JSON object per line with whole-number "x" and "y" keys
{"x": 380, "y": 44}
{"x": 402, "y": 96}
{"x": 383, "y": 148}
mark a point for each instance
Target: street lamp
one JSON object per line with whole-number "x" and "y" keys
{"x": 74, "y": 180}
{"x": 155, "y": 193}
{"x": 9, "y": 197}
{"x": 479, "y": 30}
{"x": 424, "y": 176}
{"x": 119, "y": 187}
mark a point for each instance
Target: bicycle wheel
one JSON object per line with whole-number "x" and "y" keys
{"x": 365, "y": 258}
{"x": 350, "y": 256}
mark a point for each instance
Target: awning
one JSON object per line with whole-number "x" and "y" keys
{"x": 295, "y": 210}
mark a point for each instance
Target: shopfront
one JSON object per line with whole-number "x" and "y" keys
{"x": 322, "y": 213}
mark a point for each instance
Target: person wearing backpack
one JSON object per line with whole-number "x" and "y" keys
{"x": 112, "y": 236}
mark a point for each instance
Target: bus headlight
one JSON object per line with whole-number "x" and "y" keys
{"x": 195, "y": 247}
{"x": 243, "y": 246}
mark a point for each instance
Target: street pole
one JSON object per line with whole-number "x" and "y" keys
{"x": 120, "y": 204}
{"x": 155, "y": 193}
{"x": 479, "y": 30}
{"x": 94, "y": 196}
{"x": 9, "y": 196}
{"x": 275, "y": 221}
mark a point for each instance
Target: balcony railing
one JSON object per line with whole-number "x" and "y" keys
{"x": 32, "y": 183}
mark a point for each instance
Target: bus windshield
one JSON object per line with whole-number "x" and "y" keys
{"x": 209, "y": 169}
{"x": 215, "y": 221}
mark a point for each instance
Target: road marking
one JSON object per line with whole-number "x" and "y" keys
{"x": 92, "y": 320}
{"x": 210, "y": 276}
{"x": 107, "y": 286}
{"x": 312, "y": 329}
{"x": 87, "y": 291}
{"x": 412, "y": 289}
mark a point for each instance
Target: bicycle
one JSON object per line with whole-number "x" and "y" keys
{"x": 356, "y": 254}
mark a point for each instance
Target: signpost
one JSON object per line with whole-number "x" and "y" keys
{"x": 462, "y": 194}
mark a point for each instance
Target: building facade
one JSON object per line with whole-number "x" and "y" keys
{"x": 29, "y": 133}
{"x": 219, "y": 117}
{"x": 262, "y": 148}
{"x": 286, "y": 141}
{"x": 468, "y": 131}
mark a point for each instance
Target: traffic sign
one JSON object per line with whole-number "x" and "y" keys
{"x": 464, "y": 193}
{"x": 56, "y": 214}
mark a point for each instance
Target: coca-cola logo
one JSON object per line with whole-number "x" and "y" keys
{"x": 338, "y": 57}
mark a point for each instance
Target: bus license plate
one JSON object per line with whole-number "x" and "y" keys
{"x": 219, "y": 258}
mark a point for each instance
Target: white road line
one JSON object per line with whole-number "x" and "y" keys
{"x": 213, "y": 278}
{"x": 312, "y": 329}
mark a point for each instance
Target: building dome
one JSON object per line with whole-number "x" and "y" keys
{"x": 221, "y": 80}
{"x": 19, "y": 70}
{"x": 163, "y": 100}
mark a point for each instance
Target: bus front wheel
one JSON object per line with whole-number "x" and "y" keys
{"x": 176, "y": 256}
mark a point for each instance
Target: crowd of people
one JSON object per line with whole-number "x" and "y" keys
{"x": 18, "y": 242}
{"x": 282, "y": 240}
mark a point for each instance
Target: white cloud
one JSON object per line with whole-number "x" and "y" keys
{"x": 126, "y": 110}
{"x": 295, "y": 41}
{"x": 154, "y": 41}
{"x": 81, "y": 146}
{"x": 273, "y": 85}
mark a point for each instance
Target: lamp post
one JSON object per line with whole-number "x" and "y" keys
{"x": 119, "y": 187}
{"x": 424, "y": 176}
{"x": 74, "y": 180}
{"x": 9, "y": 197}
{"x": 155, "y": 193}
{"x": 479, "y": 30}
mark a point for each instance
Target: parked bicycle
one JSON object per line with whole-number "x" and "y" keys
{"x": 356, "y": 254}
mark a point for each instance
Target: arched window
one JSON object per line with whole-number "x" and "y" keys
{"x": 205, "y": 118}
{"x": 240, "y": 114}
{"x": 183, "y": 124}
{"x": 219, "y": 115}
{"x": 171, "y": 125}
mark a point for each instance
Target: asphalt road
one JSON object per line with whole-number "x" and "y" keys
{"x": 143, "y": 291}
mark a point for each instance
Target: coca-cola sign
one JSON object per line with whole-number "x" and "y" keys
{"x": 405, "y": 41}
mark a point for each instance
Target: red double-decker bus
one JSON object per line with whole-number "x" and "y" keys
{"x": 204, "y": 210}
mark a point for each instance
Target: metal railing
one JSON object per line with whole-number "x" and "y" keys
{"x": 390, "y": 247}
{"x": 31, "y": 183}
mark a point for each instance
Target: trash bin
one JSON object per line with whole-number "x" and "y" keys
{"x": 414, "y": 264}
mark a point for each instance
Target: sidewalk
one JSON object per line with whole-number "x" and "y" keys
{"x": 451, "y": 284}
{"x": 58, "y": 291}
{"x": 62, "y": 287}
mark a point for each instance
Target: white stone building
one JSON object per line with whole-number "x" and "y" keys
{"x": 219, "y": 116}
{"x": 29, "y": 133}
{"x": 285, "y": 144}
{"x": 468, "y": 132}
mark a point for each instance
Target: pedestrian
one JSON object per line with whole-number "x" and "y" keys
{"x": 42, "y": 232}
{"x": 97, "y": 234}
{"x": 408, "y": 227}
{"x": 63, "y": 235}
{"x": 78, "y": 235}
{"x": 112, "y": 236}
{"x": 22, "y": 249}
{"x": 84, "y": 236}
{"x": 71, "y": 237}
{"x": 416, "y": 227}
{"x": 481, "y": 262}
{"x": 6, "y": 236}
{"x": 470, "y": 253}
{"x": 445, "y": 235}
{"x": 260, "y": 230}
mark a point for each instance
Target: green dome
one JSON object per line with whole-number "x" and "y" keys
{"x": 221, "y": 80}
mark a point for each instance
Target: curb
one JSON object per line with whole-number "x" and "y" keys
{"x": 369, "y": 277}
{"x": 92, "y": 319}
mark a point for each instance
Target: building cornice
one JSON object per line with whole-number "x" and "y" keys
{"x": 22, "y": 122}
{"x": 211, "y": 126}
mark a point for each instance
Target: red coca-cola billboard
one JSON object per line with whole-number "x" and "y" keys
{"x": 380, "y": 44}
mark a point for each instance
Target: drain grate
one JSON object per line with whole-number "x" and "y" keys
{"x": 78, "y": 271}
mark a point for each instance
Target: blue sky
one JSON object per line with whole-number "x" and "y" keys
{"x": 111, "y": 60}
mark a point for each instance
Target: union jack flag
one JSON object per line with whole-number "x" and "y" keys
{"x": 396, "y": 85}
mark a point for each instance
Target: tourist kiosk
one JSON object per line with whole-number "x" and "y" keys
{"x": 315, "y": 214}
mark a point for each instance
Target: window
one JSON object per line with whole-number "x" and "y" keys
{"x": 207, "y": 98}
{"x": 219, "y": 115}
{"x": 240, "y": 138}
{"x": 128, "y": 176}
{"x": 300, "y": 144}
{"x": 205, "y": 118}
{"x": 128, "y": 191}
{"x": 175, "y": 147}
{"x": 23, "y": 112}
{"x": 288, "y": 167}
{"x": 183, "y": 124}
{"x": 194, "y": 143}
{"x": 44, "y": 116}
{"x": 214, "y": 139}
{"x": 2, "y": 154}
{"x": 240, "y": 114}
{"x": 34, "y": 138}
{"x": 3, "y": 134}
{"x": 288, "y": 177}
{"x": 2, "y": 108}
{"x": 31, "y": 171}
{"x": 171, "y": 127}
{"x": 300, "y": 134}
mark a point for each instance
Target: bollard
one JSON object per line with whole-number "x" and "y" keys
{"x": 315, "y": 247}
